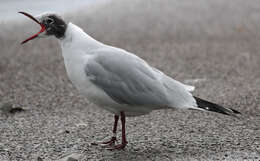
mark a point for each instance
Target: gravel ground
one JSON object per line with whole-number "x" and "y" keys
{"x": 213, "y": 45}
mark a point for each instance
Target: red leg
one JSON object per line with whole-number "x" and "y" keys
{"x": 115, "y": 124}
{"x": 113, "y": 139}
{"x": 124, "y": 142}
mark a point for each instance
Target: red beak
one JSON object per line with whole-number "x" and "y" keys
{"x": 34, "y": 19}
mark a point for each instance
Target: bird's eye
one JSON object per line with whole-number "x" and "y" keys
{"x": 49, "y": 21}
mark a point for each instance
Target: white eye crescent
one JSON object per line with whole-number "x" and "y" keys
{"x": 49, "y": 20}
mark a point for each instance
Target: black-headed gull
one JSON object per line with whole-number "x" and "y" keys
{"x": 115, "y": 79}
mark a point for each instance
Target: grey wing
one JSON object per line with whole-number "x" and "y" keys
{"x": 126, "y": 79}
{"x": 179, "y": 93}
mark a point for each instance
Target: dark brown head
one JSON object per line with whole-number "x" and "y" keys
{"x": 51, "y": 24}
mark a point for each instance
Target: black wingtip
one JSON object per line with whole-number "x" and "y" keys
{"x": 209, "y": 106}
{"x": 235, "y": 111}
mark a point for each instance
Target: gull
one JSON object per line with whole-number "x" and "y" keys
{"x": 115, "y": 79}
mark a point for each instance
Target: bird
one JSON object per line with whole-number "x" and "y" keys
{"x": 115, "y": 79}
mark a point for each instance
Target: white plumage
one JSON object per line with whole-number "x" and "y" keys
{"x": 91, "y": 66}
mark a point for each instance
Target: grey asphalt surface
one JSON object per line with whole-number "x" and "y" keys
{"x": 213, "y": 45}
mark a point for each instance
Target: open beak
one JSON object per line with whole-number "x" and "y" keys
{"x": 37, "y": 34}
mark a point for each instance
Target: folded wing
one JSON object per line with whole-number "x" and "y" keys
{"x": 126, "y": 79}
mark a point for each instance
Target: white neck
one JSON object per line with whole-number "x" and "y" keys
{"x": 76, "y": 39}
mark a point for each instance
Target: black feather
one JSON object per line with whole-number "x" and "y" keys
{"x": 209, "y": 106}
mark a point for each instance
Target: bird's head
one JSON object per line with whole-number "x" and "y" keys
{"x": 51, "y": 24}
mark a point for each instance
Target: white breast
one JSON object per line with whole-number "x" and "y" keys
{"x": 75, "y": 68}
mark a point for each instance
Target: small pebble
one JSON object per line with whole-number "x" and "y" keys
{"x": 8, "y": 108}
{"x": 39, "y": 159}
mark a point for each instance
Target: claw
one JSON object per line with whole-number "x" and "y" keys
{"x": 106, "y": 143}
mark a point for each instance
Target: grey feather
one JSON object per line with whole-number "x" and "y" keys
{"x": 126, "y": 78}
